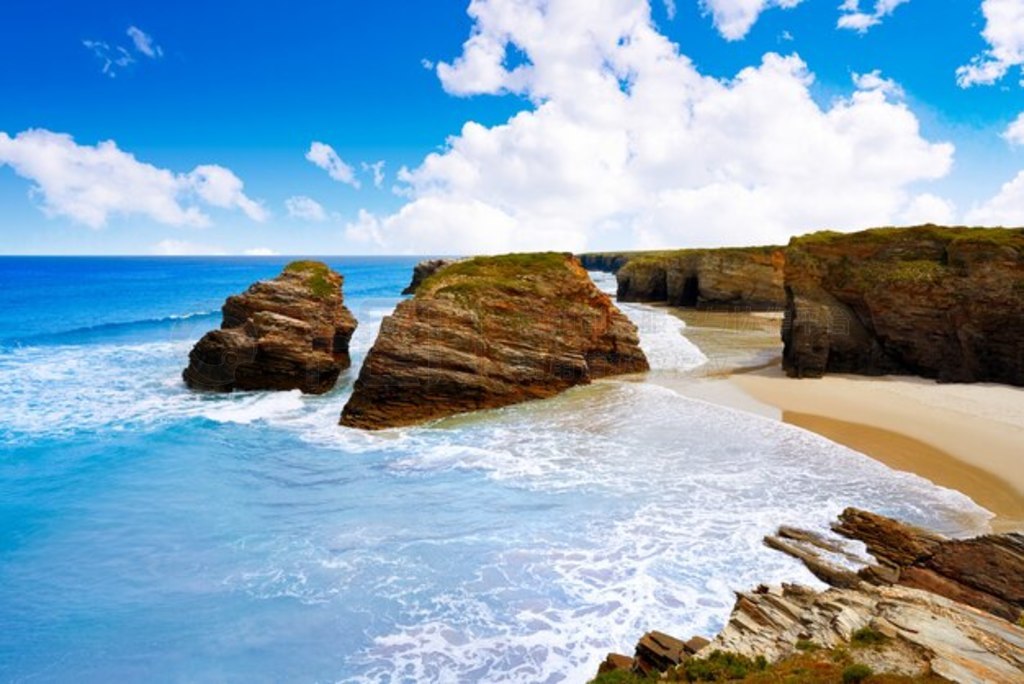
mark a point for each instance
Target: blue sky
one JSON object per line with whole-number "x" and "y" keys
{"x": 250, "y": 86}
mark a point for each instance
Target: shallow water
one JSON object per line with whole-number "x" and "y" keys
{"x": 151, "y": 534}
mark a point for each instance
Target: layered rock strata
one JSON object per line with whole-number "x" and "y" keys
{"x": 424, "y": 270}
{"x": 944, "y": 303}
{"x": 291, "y": 332}
{"x": 489, "y": 332}
{"x": 923, "y": 606}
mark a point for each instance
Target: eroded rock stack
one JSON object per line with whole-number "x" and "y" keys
{"x": 489, "y": 332}
{"x": 944, "y": 303}
{"x": 424, "y": 270}
{"x": 291, "y": 332}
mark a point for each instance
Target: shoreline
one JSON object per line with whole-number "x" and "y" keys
{"x": 962, "y": 437}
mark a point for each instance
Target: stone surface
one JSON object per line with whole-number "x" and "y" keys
{"x": 747, "y": 279}
{"x": 291, "y": 332}
{"x": 944, "y": 303}
{"x": 606, "y": 262}
{"x": 489, "y": 332}
{"x": 424, "y": 270}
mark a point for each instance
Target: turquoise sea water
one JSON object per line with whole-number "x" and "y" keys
{"x": 149, "y": 534}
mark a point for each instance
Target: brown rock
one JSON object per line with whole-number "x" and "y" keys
{"x": 944, "y": 303}
{"x": 657, "y": 652}
{"x": 888, "y": 539}
{"x": 291, "y": 332}
{"x": 614, "y": 663}
{"x": 490, "y": 332}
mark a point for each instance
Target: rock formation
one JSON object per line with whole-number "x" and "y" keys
{"x": 489, "y": 332}
{"x": 748, "y": 278}
{"x": 944, "y": 303}
{"x": 927, "y": 606}
{"x": 424, "y": 270}
{"x": 291, "y": 332}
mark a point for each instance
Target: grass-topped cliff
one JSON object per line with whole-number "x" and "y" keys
{"x": 319, "y": 277}
{"x": 937, "y": 301}
{"x": 748, "y": 278}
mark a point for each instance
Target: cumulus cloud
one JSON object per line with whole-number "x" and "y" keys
{"x": 627, "y": 140}
{"x": 853, "y": 18}
{"x": 1004, "y": 32}
{"x": 305, "y": 208}
{"x": 89, "y": 183}
{"x": 734, "y": 18}
{"x": 875, "y": 81}
{"x": 144, "y": 43}
{"x": 928, "y": 208}
{"x": 183, "y": 248}
{"x": 1005, "y": 209}
{"x": 1014, "y": 133}
{"x": 326, "y": 158}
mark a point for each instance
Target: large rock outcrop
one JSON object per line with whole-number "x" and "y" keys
{"x": 291, "y": 332}
{"x": 424, "y": 270}
{"x": 488, "y": 332}
{"x": 926, "y": 606}
{"x": 944, "y": 303}
{"x": 743, "y": 278}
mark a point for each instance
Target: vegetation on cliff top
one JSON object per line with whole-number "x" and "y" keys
{"x": 994, "y": 236}
{"x": 520, "y": 274}
{"x": 317, "y": 276}
{"x": 657, "y": 257}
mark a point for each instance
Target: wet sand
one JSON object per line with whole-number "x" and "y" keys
{"x": 964, "y": 437}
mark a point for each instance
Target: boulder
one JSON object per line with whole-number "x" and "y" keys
{"x": 489, "y": 332}
{"x": 291, "y": 332}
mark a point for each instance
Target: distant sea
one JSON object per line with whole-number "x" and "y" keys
{"x": 151, "y": 534}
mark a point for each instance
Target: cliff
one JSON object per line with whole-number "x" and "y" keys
{"x": 747, "y": 278}
{"x": 488, "y": 332}
{"x": 944, "y": 303}
{"x": 291, "y": 332}
{"x": 424, "y": 270}
{"x": 924, "y": 608}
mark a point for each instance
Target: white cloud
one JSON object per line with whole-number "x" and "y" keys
{"x": 928, "y": 208}
{"x": 1014, "y": 133}
{"x": 305, "y": 208}
{"x": 144, "y": 43}
{"x": 377, "y": 169}
{"x": 260, "y": 251}
{"x": 875, "y": 81}
{"x": 327, "y": 159}
{"x": 1004, "y": 32}
{"x": 112, "y": 58}
{"x": 853, "y": 18}
{"x": 182, "y": 248}
{"x": 1005, "y": 209}
{"x": 219, "y": 187}
{"x": 627, "y": 140}
{"x": 89, "y": 183}
{"x": 670, "y": 9}
{"x": 734, "y": 18}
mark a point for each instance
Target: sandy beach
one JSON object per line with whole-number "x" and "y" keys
{"x": 965, "y": 437}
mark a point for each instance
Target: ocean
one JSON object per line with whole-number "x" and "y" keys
{"x": 152, "y": 534}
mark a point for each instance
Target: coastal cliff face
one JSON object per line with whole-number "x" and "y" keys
{"x": 944, "y": 303}
{"x": 424, "y": 270}
{"x": 749, "y": 278}
{"x": 489, "y": 332}
{"x": 291, "y": 332}
{"x": 924, "y": 606}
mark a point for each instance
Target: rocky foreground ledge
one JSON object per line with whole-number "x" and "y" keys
{"x": 944, "y": 303}
{"x": 288, "y": 333}
{"x": 924, "y": 609}
{"x": 488, "y": 332}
